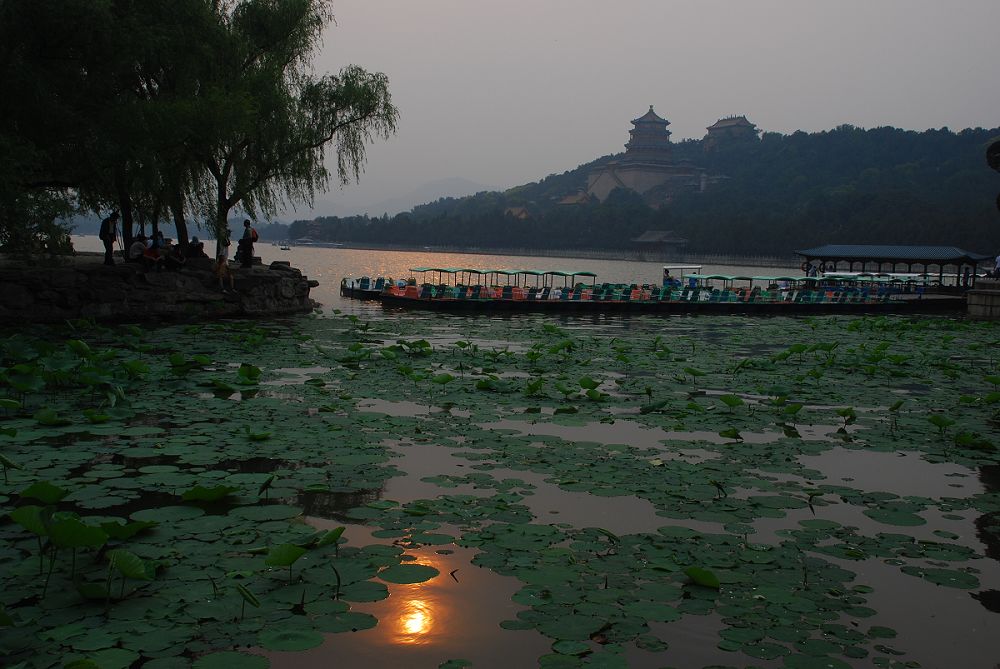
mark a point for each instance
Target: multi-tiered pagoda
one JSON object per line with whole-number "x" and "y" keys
{"x": 649, "y": 139}
{"x": 647, "y": 167}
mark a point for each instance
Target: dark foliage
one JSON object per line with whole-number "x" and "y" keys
{"x": 847, "y": 185}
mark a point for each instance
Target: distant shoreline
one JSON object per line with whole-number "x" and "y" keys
{"x": 778, "y": 261}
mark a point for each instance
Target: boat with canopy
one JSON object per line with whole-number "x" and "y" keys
{"x": 484, "y": 289}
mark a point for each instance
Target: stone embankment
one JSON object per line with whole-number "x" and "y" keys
{"x": 60, "y": 289}
{"x": 984, "y": 299}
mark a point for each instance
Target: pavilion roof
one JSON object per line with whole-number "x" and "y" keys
{"x": 731, "y": 121}
{"x": 651, "y": 116}
{"x": 663, "y": 236}
{"x": 947, "y": 255}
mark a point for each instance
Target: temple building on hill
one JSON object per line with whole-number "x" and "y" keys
{"x": 647, "y": 167}
{"x": 729, "y": 130}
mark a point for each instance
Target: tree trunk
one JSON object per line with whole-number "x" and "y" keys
{"x": 221, "y": 223}
{"x": 180, "y": 225}
{"x": 125, "y": 206}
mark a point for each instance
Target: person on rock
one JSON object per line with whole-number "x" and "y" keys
{"x": 108, "y": 235}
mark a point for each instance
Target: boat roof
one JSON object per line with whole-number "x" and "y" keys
{"x": 506, "y": 272}
{"x": 893, "y": 253}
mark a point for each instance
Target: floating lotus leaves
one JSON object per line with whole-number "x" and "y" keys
{"x": 204, "y": 494}
{"x": 346, "y": 621}
{"x": 167, "y": 514}
{"x": 408, "y": 573}
{"x": 126, "y": 531}
{"x": 334, "y": 461}
{"x": 653, "y": 611}
{"x": 896, "y": 514}
{"x": 703, "y": 577}
{"x": 267, "y": 512}
{"x": 946, "y": 577}
{"x": 289, "y": 639}
{"x": 810, "y": 662}
{"x": 108, "y": 658}
{"x": 229, "y": 659}
{"x": 570, "y": 626}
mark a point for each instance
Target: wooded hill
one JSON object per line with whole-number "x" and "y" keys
{"x": 778, "y": 194}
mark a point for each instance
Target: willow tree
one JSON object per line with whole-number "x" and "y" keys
{"x": 186, "y": 106}
{"x": 270, "y": 120}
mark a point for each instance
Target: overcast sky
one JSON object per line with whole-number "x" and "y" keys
{"x": 506, "y": 92}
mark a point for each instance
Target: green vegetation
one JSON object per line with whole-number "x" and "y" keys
{"x": 171, "y": 110}
{"x": 786, "y": 192}
{"x": 142, "y": 524}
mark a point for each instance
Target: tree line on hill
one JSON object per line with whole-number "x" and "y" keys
{"x": 784, "y": 192}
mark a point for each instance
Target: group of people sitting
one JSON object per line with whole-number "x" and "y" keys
{"x": 156, "y": 252}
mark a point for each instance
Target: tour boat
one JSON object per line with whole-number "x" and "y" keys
{"x": 470, "y": 289}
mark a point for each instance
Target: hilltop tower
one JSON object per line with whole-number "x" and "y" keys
{"x": 647, "y": 166}
{"x": 729, "y": 130}
{"x": 649, "y": 140}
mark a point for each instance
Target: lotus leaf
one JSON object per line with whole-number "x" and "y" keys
{"x": 286, "y": 639}
{"x": 284, "y": 555}
{"x": 347, "y": 621}
{"x": 44, "y": 492}
{"x": 408, "y": 573}
{"x": 229, "y": 659}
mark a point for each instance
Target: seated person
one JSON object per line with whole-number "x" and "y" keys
{"x": 196, "y": 249}
{"x": 174, "y": 258}
{"x": 137, "y": 248}
{"x": 151, "y": 258}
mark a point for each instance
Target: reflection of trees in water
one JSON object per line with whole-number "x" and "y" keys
{"x": 988, "y": 531}
{"x": 334, "y": 505}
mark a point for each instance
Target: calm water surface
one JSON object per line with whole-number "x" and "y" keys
{"x": 420, "y": 625}
{"x": 329, "y": 266}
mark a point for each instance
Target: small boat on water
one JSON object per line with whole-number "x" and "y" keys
{"x": 363, "y": 288}
{"x": 469, "y": 289}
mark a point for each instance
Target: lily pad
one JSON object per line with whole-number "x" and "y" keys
{"x": 408, "y": 573}
{"x": 228, "y": 659}
{"x": 285, "y": 639}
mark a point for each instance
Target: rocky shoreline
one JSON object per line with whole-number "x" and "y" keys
{"x": 53, "y": 290}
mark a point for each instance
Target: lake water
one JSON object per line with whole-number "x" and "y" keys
{"x": 330, "y": 265}
{"x": 459, "y": 616}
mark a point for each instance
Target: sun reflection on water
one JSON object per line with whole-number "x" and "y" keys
{"x": 415, "y": 622}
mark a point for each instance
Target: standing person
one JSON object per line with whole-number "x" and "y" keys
{"x": 222, "y": 273}
{"x": 108, "y": 235}
{"x": 996, "y": 268}
{"x": 246, "y": 244}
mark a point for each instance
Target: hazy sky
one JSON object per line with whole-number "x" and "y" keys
{"x": 507, "y": 92}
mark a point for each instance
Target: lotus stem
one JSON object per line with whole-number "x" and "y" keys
{"x": 52, "y": 564}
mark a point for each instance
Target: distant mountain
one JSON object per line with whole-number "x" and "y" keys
{"x": 428, "y": 192}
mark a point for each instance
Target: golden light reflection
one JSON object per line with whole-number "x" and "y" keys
{"x": 420, "y": 610}
{"x": 418, "y": 620}
{"x": 415, "y": 622}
